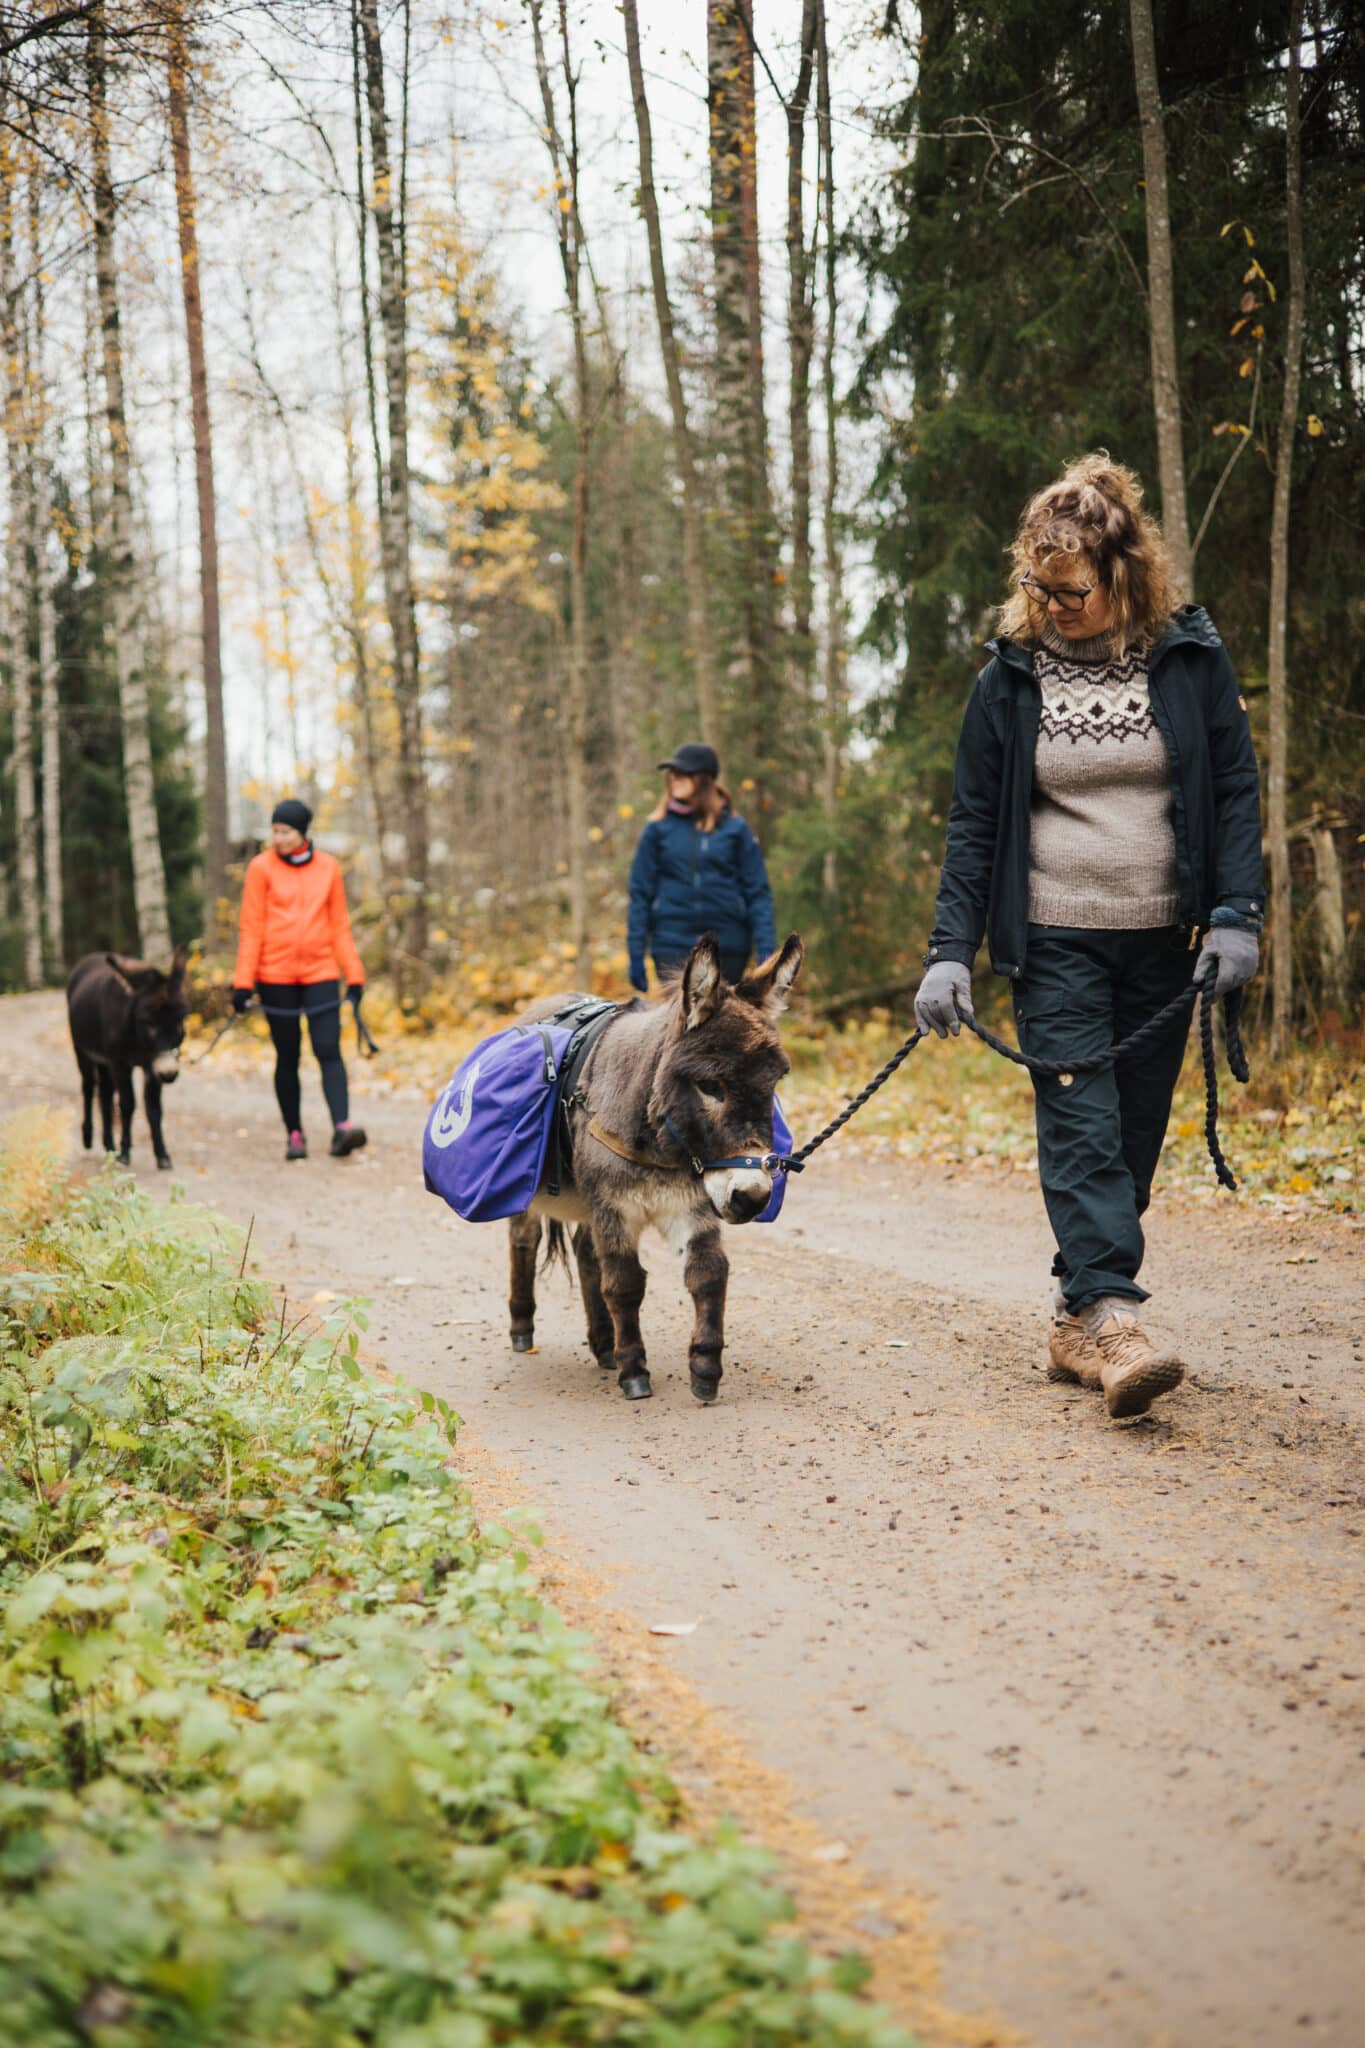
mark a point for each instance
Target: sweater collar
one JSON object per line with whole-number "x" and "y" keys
{"x": 296, "y": 860}
{"x": 1090, "y": 652}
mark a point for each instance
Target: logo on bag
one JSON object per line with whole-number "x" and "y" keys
{"x": 450, "y": 1118}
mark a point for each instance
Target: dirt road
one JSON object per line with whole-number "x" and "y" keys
{"x": 1098, "y": 1690}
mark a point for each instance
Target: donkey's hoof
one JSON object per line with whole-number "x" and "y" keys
{"x": 164, "y": 1162}
{"x": 607, "y": 1360}
{"x": 636, "y": 1387}
{"x": 705, "y": 1390}
{"x": 523, "y": 1340}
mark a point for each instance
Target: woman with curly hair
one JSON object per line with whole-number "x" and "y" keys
{"x": 1105, "y": 819}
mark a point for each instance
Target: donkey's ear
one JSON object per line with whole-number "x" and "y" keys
{"x": 179, "y": 962}
{"x": 134, "y": 974}
{"x": 767, "y": 986}
{"x": 702, "y": 983}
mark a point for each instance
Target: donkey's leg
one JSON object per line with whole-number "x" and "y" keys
{"x": 87, "y": 1068}
{"x": 151, "y": 1102}
{"x": 106, "y": 1080}
{"x": 524, "y": 1233}
{"x": 601, "y": 1334}
{"x": 623, "y": 1289}
{"x": 705, "y": 1275}
{"x": 127, "y": 1102}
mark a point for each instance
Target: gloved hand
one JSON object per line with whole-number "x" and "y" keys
{"x": 946, "y": 986}
{"x": 241, "y": 998}
{"x": 1235, "y": 953}
{"x": 354, "y": 991}
{"x": 638, "y": 978}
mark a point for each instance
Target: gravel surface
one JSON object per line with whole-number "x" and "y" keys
{"x": 1095, "y": 1690}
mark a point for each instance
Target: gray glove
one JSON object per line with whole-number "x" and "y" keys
{"x": 946, "y": 987}
{"x": 1234, "y": 952}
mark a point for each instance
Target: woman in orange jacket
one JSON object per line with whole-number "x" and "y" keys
{"x": 295, "y": 939}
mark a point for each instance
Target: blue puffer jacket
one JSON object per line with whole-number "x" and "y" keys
{"x": 684, "y": 882}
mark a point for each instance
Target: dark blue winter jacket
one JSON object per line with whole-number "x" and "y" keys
{"x": 684, "y": 881}
{"x": 1215, "y": 792}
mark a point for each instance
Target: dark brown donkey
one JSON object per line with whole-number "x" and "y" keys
{"x": 124, "y": 1014}
{"x": 687, "y": 1079}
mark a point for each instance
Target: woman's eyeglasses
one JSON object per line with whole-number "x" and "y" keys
{"x": 1045, "y": 594}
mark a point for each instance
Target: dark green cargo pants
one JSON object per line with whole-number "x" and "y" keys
{"x": 1099, "y": 1138}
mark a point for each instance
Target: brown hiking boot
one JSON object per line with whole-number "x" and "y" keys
{"x": 1132, "y": 1370}
{"x": 1073, "y": 1354}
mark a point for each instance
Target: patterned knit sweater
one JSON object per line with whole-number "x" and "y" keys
{"x": 1101, "y": 843}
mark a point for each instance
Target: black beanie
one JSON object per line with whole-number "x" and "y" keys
{"x": 292, "y": 812}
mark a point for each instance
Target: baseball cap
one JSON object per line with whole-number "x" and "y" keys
{"x": 694, "y": 758}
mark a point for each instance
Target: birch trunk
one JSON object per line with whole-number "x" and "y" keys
{"x": 740, "y": 406}
{"x": 800, "y": 348}
{"x": 684, "y": 452}
{"x": 48, "y": 682}
{"x": 1277, "y": 820}
{"x": 215, "y": 738}
{"x": 569, "y": 226}
{"x": 17, "y": 618}
{"x": 1161, "y": 305}
{"x": 1333, "y": 945}
{"x": 395, "y": 505}
{"x": 835, "y": 651}
{"x": 149, "y": 873}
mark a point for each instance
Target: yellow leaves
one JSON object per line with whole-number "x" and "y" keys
{"x": 1245, "y": 368}
{"x": 1314, "y": 425}
{"x": 596, "y": 835}
{"x": 1256, "y": 272}
{"x": 625, "y": 810}
{"x": 1228, "y": 226}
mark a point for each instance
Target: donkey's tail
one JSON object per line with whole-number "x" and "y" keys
{"x": 556, "y": 1249}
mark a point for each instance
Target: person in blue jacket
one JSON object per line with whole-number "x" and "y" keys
{"x": 698, "y": 868}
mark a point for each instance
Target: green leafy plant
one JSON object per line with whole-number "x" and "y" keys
{"x": 290, "y": 1751}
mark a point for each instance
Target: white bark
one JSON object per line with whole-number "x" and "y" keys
{"x": 149, "y": 873}
{"x": 49, "y": 697}
{"x": 17, "y": 611}
{"x": 569, "y": 224}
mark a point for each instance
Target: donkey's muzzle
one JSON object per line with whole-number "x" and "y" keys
{"x": 166, "y": 1066}
{"x": 738, "y": 1195}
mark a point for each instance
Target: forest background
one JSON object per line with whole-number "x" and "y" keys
{"x": 439, "y": 412}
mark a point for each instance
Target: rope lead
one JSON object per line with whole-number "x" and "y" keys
{"x": 1066, "y": 1070}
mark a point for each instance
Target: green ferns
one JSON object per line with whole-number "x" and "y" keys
{"x": 290, "y": 1753}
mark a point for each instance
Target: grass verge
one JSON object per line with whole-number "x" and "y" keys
{"x": 290, "y": 1752}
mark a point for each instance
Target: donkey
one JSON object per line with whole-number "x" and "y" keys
{"x": 124, "y": 1014}
{"x": 666, "y": 1088}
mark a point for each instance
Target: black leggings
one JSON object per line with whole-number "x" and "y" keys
{"x": 306, "y": 999}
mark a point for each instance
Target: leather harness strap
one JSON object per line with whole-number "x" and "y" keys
{"x": 596, "y": 1129}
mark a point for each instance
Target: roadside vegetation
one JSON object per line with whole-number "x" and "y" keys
{"x": 291, "y": 1753}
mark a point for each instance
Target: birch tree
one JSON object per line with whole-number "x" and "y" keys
{"x": 1281, "y": 899}
{"x": 684, "y": 450}
{"x": 396, "y": 493}
{"x": 40, "y": 504}
{"x": 1161, "y": 305}
{"x": 563, "y": 149}
{"x": 215, "y": 739}
{"x": 149, "y": 874}
{"x": 17, "y": 610}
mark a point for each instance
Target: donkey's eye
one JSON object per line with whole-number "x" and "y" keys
{"x": 709, "y": 1090}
